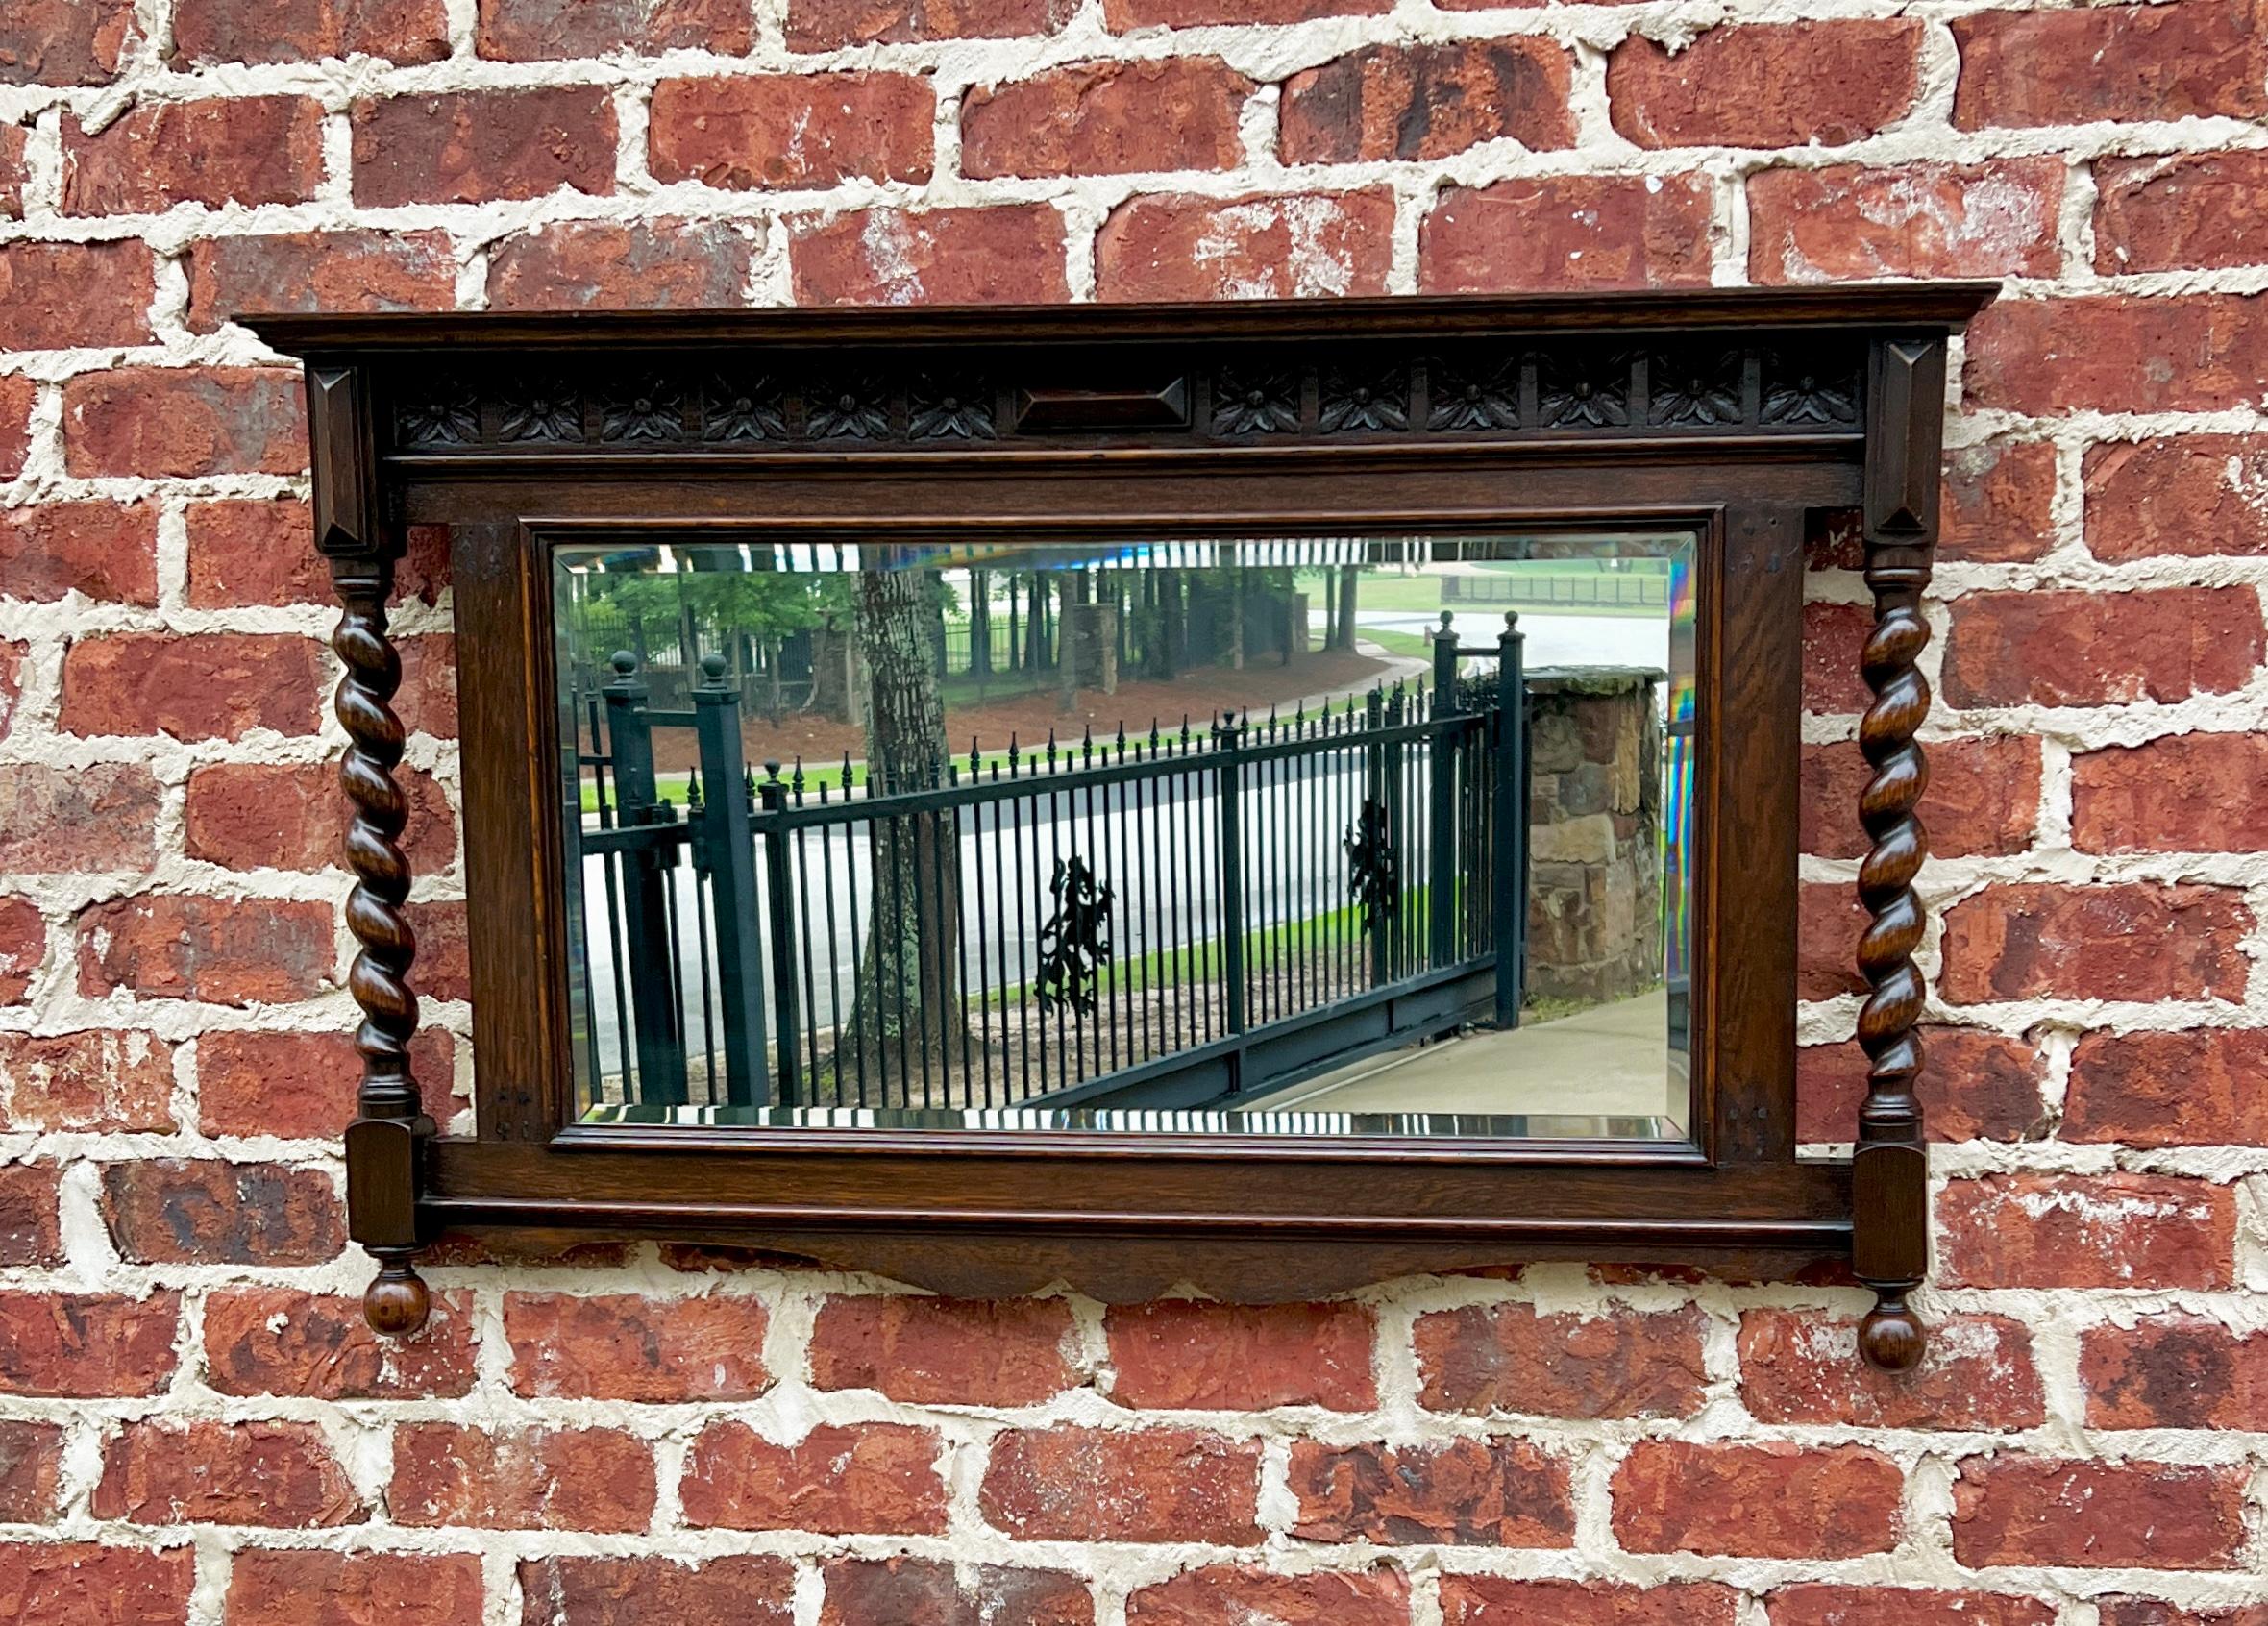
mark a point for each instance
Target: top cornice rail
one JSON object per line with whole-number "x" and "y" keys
{"x": 1919, "y": 306}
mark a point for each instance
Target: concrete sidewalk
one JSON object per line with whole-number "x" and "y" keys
{"x": 1610, "y": 1060}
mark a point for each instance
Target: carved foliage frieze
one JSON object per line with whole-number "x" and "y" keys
{"x": 1552, "y": 389}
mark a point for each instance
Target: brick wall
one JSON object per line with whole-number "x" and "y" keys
{"x": 193, "y": 1425}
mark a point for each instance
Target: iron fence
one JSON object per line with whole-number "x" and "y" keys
{"x": 1174, "y": 918}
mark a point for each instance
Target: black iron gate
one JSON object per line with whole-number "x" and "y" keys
{"x": 1179, "y": 917}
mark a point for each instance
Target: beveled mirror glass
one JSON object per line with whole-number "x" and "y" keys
{"x": 1385, "y": 835}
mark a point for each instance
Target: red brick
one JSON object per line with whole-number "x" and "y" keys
{"x": 240, "y": 148}
{"x": 793, "y": 131}
{"x": 1507, "y": 1358}
{"x": 1106, "y": 118}
{"x": 1817, "y": 1604}
{"x": 2085, "y": 1231}
{"x": 257, "y": 31}
{"x": 16, "y": 413}
{"x": 1829, "y": 921}
{"x": 547, "y": 30}
{"x": 1973, "y": 1086}
{"x": 55, "y": 821}
{"x": 2138, "y": 941}
{"x": 1500, "y": 1600}
{"x": 1179, "y": 1354}
{"x": 900, "y": 1590}
{"x": 652, "y": 264}
{"x": 304, "y": 1587}
{"x": 2101, "y": 649}
{"x": 1998, "y": 496}
{"x": 2188, "y": 495}
{"x": 866, "y": 1478}
{"x": 302, "y": 271}
{"x": 2096, "y": 1515}
{"x": 106, "y": 551}
{"x": 184, "y": 421}
{"x": 79, "y": 1583}
{"x": 1468, "y": 1492}
{"x": 1776, "y": 1500}
{"x": 1180, "y": 246}
{"x": 1803, "y": 1366}
{"x": 1070, "y": 1483}
{"x": 14, "y": 139}
{"x": 2190, "y": 59}
{"x": 57, "y": 295}
{"x": 211, "y": 686}
{"x": 1124, "y": 16}
{"x": 1573, "y": 233}
{"x": 2180, "y": 212}
{"x": 1234, "y": 1597}
{"x": 1982, "y": 797}
{"x": 64, "y": 42}
{"x": 444, "y": 956}
{"x": 823, "y": 25}
{"x": 2186, "y": 793}
{"x": 738, "y": 1590}
{"x": 2175, "y": 1371}
{"x": 31, "y": 1228}
{"x": 2156, "y": 1612}
{"x": 95, "y": 1080}
{"x": 176, "y": 1211}
{"x": 284, "y": 1341}
{"x": 944, "y": 1351}
{"x": 1833, "y": 638}
{"x": 522, "y": 1479}
{"x": 253, "y": 817}
{"x": 277, "y": 1474}
{"x": 1428, "y": 100}
{"x": 1847, "y": 221}
{"x": 31, "y": 1466}
{"x": 427, "y": 702}
{"x": 621, "y": 1346}
{"x": 2201, "y": 1087}
{"x": 84, "y": 1347}
{"x": 301, "y": 1086}
{"x": 2110, "y": 352}
{"x": 478, "y": 146}
{"x": 1007, "y": 255}
{"x": 1777, "y": 84}
{"x": 219, "y": 951}
{"x": 253, "y": 551}
{"x": 23, "y": 946}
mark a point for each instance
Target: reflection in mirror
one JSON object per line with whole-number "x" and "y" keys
{"x": 1305, "y": 837}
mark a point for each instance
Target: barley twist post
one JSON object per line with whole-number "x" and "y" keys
{"x": 1890, "y": 1176}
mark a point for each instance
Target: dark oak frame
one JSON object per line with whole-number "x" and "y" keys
{"x": 1732, "y": 412}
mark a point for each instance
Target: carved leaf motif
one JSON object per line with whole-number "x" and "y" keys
{"x": 1367, "y": 400}
{"x": 849, "y": 409}
{"x": 955, "y": 411}
{"x": 1583, "y": 389}
{"x": 449, "y": 415}
{"x": 651, "y": 409}
{"x": 1803, "y": 389}
{"x": 1694, "y": 386}
{"x": 1250, "y": 403}
{"x": 1478, "y": 397}
{"x": 742, "y": 409}
{"x": 543, "y": 408}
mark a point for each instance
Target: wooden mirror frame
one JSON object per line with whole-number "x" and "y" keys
{"x": 1733, "y": 412}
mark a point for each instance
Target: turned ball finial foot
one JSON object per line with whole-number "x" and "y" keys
{"x": 1891, "y": 1337}
{"x": 396, "y": 1302}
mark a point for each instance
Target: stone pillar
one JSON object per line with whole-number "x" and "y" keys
{"x": 1594, "y": 903}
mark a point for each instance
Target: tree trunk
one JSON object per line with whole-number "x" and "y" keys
{"x": 1344, "y": 636}
{"x": 905, "y": 1018}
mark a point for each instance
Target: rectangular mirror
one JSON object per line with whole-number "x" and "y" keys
{"x": 1248, "y": 836}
